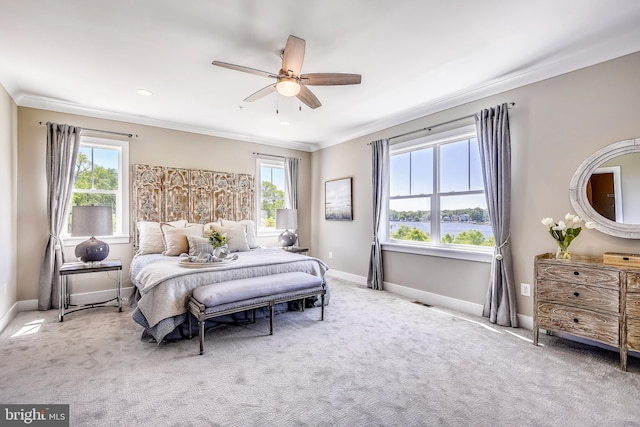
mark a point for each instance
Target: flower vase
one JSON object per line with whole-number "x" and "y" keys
{"x": 563, "y": 252}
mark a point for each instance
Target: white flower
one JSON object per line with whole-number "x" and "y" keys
{"x": 577, "y": 220}
{"x": 590, "y": 224}
{"x": 547, "y": 221}
{"x": 561, "y": 226}
{"x": 569, "y": 217}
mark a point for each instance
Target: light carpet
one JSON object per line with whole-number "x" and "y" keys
{"x": 377, "y": 360}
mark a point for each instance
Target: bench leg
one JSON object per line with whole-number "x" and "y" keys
{"x": 270, "y": 318}
{"x": 189, "y": 316}
{"x": 322, "y": 307}
{"x": 254, "y": 316}
{"x": 201, "y": 325}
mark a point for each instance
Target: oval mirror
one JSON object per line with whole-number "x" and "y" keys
{"x": 606, "y": 189}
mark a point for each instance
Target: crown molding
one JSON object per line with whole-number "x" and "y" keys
{"x": 43, "y": 103}
{"x": 597, "y": 54}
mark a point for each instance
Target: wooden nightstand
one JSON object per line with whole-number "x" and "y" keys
{"x": 70, "y": 268}
{"x": 296, "y": 250}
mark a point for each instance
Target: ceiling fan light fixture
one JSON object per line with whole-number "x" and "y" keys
{"x": 288, "y": 86}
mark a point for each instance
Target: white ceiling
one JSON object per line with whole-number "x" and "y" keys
{"x": 416, "y": 57}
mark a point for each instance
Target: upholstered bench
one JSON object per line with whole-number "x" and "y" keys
{"x": 239, "y": 295}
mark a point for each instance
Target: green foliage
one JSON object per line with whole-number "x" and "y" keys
{"x": 272, "y": 199}
{"x": 217, "y": 239}
{"x": 413, "y": 233}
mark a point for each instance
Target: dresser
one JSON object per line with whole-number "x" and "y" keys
{"x": 586, "y": 298}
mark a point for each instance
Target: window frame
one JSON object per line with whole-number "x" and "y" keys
{"x": 434, "y": 248}
{"x": 121, "y": 234}
{"x": 270, "y": 162}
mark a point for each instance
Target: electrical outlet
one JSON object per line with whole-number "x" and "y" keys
{"x": 330, "y": 254}
{"x": 525, "y": 289}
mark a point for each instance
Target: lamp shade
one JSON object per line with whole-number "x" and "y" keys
{"x": 287, "y": 219}
{"x": 91, "y": 221}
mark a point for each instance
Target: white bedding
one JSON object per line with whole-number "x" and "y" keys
{"x": 164, "y": 286}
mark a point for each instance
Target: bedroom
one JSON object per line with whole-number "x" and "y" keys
{"x": 556, "y": 123}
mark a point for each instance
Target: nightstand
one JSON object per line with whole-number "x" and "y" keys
{"x": 296, "y": 250}
{"x": 71, "y": 268}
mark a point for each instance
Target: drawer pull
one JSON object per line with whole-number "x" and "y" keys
{"x": 575, "y": 320}
{"x": 576, "y": 294}
{"x": 576, "y": 273}
{"x": 625, "y": 258}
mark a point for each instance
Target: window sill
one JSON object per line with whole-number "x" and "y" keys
{"x": 112, "y": 240}
{"x": 444, "y": 252}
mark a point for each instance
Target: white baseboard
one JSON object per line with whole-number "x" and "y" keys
{"x": 474, "y": 309}
{"x": 80, "y": 298}
{"x": 8, "y": 316}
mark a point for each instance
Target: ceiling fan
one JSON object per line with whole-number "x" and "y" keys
{"x": 289, "y": 81}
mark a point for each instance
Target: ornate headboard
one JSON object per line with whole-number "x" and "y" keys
{"x": 163, "y": 194}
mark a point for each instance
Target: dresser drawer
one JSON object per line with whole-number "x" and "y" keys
{"x": 590, "y": 297}
{"x": 633, "y": 282}
{"x": 633, "y": 305}
{"x": 579, "y": 274}
{"x": 633, "y": 334}
{"x": 576, "y": 321}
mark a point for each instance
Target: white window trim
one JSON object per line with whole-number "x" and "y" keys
{"x": 463, "y": 252}
{"x": 123, "y": 214}
{"x": 266, "y": 161}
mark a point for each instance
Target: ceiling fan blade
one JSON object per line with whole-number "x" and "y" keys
{"x": 306, "y": 96}
{"x": 244, "y": 69}
{"x": 261, "y": 93}
{"x": 293, "y": 55}
{"x": 330, "y": 79}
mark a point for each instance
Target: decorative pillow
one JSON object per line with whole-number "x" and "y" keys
{"x": 252, "y": 238}
{"x": 150, "y": 236}
{"x": 208, "y": 227}
{"x": 175, "y": 239}
{"x": 198, "y": 245}
{"x": 236, "y": 237}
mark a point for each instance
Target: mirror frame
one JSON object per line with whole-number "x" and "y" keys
{"x": 578, "y": 189}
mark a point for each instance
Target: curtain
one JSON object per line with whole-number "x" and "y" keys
{"x": 492, "y": 127}
{"x": 63, "y": 142}
{"x": 380, "y": 183}
{"x": 291, "y": 165}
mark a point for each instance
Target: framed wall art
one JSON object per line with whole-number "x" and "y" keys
{"x": 337, "y": 200}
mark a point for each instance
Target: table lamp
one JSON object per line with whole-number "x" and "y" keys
{"x": 287, "y": 219}
{"x": 92, "y": 221}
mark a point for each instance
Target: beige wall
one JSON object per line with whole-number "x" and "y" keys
{"x": 555, "y": 125}
{"x": 8, "y": 142}
{"x": 154, "y": 146}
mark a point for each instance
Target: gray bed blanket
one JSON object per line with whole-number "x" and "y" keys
{"x": 163, "y": 285}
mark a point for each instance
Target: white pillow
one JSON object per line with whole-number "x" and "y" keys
{"x": 252, "y": 238}
{"x": 236, "y": 236}
{"x": 175, "y": 238}
{"x": 208, "y": 227}
{"x": 150, "y": 236}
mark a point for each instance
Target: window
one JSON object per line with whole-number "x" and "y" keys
{"x": 101, "y": 179}
{"x": 436, "y": 193}
{"x": 271, "y": 193}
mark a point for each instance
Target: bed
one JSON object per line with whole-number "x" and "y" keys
{"x": 163, "y": 285}
{"x": 174, "y": 211}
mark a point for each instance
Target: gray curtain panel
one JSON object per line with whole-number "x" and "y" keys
{"x": 380, "y": 184}
{"x": 291, "y": 171}
{"x": 492, "y": 126}
{"x": 63, "y": 142}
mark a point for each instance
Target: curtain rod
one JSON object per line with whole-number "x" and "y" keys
{"x": 273, "y": 155}
{"x": 103, "y": 131}
{"x": 511, "y": 104}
